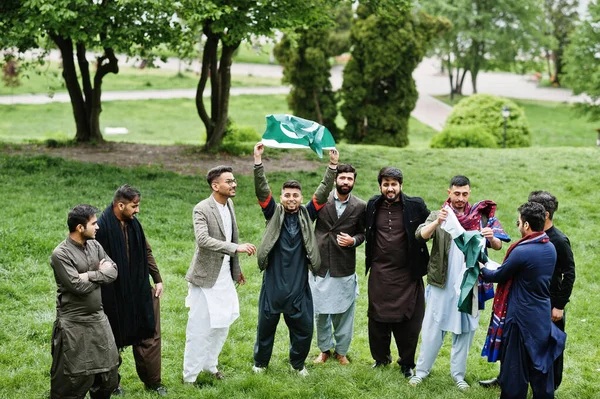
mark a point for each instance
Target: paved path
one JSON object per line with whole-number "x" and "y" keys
{"x": 429, "y": 80}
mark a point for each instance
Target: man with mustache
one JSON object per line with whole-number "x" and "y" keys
{"x": 339, "y": 230}
{"x": 288, "y": 249}
{"x": 397, "y": 262}
{"x": 212, "y": 299}
{"x": 445, "y": 275}
{"x": 84, "y": 354}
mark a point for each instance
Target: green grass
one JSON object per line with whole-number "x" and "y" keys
{"x": 149, "y": 121}
{"x": 257, "y": 54}
{"x": 38, "y": 191}
{"x": 552, "y": 123}
{"x": 48, "y": 79}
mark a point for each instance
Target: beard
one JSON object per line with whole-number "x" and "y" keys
{"x": 393, "y": 199}
{"x": 344, "y": 190}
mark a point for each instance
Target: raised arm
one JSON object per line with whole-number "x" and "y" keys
{"x": 261, "y": 185}
{"x": 426, "y": 230}
{"x": 321, "y": 195}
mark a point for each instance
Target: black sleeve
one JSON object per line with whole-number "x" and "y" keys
{"x": 564, "y": 274}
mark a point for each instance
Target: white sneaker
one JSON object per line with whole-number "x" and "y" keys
{"x": 462, "y": 385}
{"x": 258, "y": 370}
{"x": 415, "y": 380}
{"x": 303, "y": 372}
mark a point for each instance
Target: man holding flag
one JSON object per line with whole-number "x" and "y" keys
{"x": 444, "y": 277}
{"x": 288, "y": 249}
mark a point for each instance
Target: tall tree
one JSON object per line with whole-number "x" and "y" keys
{"x": 305, "y": 56}
{"x": 562, "y": 17}
{"x": 485, "y": 32}
{"x": 76, "y": 26}
{"x": 583, "y": 61}
{"x": 379, "y": 91}
{"x": 224, "y": 25}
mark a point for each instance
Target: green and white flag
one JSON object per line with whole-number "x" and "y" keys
{"x": 288, "y": 131}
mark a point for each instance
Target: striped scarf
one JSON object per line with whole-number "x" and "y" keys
{"x": 493, "y": 340}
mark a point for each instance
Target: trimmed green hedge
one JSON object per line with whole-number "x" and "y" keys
{"x": 486, "y": 110}
{"x": 239, "y": 140}
{"x": 477, "y": 136}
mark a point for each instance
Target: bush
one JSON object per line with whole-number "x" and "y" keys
{"x": 485, "y": 110}
{"x": 239, "y": 140}
{"x": 476, "y": 136}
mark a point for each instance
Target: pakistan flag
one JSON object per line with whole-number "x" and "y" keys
{"x": 288, "y": 131}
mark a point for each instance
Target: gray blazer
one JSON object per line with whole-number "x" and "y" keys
{"x": 340, "y": 261}
{"x": 211, "y": 246}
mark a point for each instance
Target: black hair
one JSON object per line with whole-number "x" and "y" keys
{"x": 80, "y": 214}
{"x": 346, "y": 168}
{"x": 126, "y": 193}
{"x": 216, "y": 172}
{"x": 390, "y": 173}
{"x": 548, "y": 201}
{"x": 534, "y": 214}
{"x": 292, "y": 184}
{"x": 459, "y": 181}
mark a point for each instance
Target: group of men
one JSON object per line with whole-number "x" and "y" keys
{"x": 308, "y": 259}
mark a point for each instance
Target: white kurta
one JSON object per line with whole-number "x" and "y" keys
{"x": 212, "y": 311}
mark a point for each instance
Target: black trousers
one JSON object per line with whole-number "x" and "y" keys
{"x": 558, "y": 363}
{"x": 300, "y": 325}
{"x": 406, "y": 335}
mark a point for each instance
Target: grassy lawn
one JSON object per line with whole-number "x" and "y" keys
{"x": 48, "y": 78}
{"x": 257, "y": 54}
{"x": 37, "y": 193}
{"x": 150, "y": 121}
{"x": 552, "y": 124}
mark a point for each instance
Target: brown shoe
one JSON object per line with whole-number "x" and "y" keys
{"x": 342, "y": 359}
{"x": 322, "y": 358}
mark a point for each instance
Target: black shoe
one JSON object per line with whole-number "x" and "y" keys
{"x": 380, "y": 364}
{"x": 490, "y": 383}
{"x": 160, "y": 390}
{"x": 118, "y": 391}
{"x": 406, "y": 371}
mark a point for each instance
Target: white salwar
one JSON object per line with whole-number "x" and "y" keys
{"x": 212, "y": 311}
{"x": 442, "y": 314}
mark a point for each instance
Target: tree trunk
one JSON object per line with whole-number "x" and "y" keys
{"x": 221, "y": 87}
{"x": 474, "y": 73}
{"x": 209, "y": 56}
{"x": 108, "y": 63}
{"x": 450, "y": 77}
{"x": 558, "y": 65}
{"x": 549, "y": 66}
{"x": 461, "y": 80}
{"x": 82, "y": 133}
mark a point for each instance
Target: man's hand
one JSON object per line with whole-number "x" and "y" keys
{"x": 557, "y": 314}
{"x": 259, "y": 148}
{"x": 247, "y": 248}
{"x": 334, "y": 157}
{"x": 442, "y": 216}
{"x": 488, "y": 233}
{"x": 158, "y": 290}
{"x": 344, "y": 240}
{"x": 84, "y": 277}
{"x": 241, "y": 280}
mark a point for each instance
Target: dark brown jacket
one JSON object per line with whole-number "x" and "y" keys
{"x": 340, "y": 261}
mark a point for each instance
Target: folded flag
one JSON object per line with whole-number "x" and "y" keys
{"x": 288, "y": 131}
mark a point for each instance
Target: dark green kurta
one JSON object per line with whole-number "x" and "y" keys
{"x": 82, "y": 341}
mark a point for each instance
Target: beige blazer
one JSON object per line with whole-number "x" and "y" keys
{"x": 211, "y": 246}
